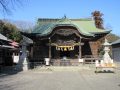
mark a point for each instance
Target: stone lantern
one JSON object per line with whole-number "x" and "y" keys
{"x": 106, "y": 58}
{"x": 23, "y": 61}
{"x": 107, "y": 63}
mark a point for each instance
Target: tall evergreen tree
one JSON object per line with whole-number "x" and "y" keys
{"x": 97, "y": 16}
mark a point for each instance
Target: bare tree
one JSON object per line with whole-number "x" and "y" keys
{"x": 7, "y": 6}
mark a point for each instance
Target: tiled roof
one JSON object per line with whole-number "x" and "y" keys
{"x": 2, "y": 37}
{"x": 84, "y": 26}
{"x": 116, "y": 42}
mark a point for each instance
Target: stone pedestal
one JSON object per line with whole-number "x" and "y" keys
{"x": 47, "y": 61}
{"x": 81, "y": 60}
{"x": 107, "y": 63}
{"x": 25, "y": 65}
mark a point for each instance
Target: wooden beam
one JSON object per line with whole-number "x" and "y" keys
{"x": 49, "y": 47}
{"x": 80, "y": 53}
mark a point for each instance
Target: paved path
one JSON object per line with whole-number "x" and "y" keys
{"x": 66, "y": 80}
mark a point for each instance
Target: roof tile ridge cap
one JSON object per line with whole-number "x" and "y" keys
{"x": 82, "y": 19}
{"x": 62, "y": 20}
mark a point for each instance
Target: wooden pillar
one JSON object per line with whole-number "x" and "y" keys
{"x": 80, "y": 53}
{"x": 31, "y": 53}
{"x": 49, "y": 47}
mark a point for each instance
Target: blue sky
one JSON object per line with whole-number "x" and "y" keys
{"x": 33, "y": 9}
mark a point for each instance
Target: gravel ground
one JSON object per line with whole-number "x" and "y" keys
{"x": 60, "y": 80}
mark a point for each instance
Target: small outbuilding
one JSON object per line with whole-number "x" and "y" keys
{"x": 116, "y": 50}
{"x": 6, "y": 51}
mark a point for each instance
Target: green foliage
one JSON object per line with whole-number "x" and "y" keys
{"x": 10, "y": 31}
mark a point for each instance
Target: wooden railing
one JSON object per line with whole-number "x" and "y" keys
{"x": 62, "y": 62}
{"x": 89, "y": 59}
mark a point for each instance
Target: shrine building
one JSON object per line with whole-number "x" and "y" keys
{"x": 64, "y": 38}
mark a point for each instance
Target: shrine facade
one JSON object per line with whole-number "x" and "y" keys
{"x": 64, "y": 38}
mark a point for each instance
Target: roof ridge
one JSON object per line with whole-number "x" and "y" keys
{"x": 57, "y": 19}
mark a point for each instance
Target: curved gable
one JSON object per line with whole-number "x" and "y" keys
{"x": 85, "y": 27}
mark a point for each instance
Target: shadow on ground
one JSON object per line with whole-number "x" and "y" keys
{"x": 6, "y": 71}
{"x": 104, "y": 72}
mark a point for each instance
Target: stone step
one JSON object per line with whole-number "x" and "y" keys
{"x": 62, "y": 68}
